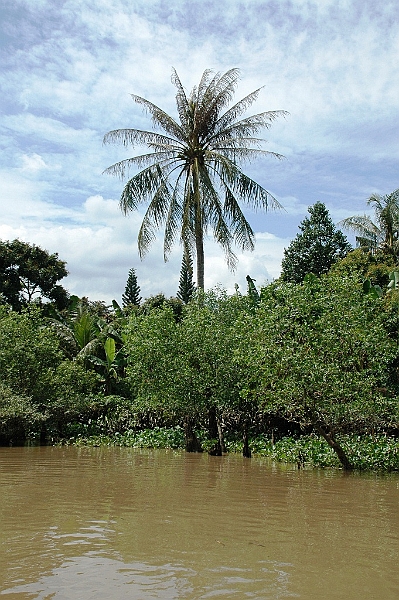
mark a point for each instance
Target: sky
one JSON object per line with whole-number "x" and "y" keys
{"x": 68, "y": 68}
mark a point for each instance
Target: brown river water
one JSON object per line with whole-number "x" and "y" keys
{"x": 118, "y": 523}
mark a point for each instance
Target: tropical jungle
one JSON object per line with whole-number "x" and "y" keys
{"x": 303, "y": 369}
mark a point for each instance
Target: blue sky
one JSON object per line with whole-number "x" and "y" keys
{"x": 69, "y": 67}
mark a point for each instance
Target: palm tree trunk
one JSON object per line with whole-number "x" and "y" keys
{"x": 199, "y": 243}
{"x": 199, "y": 229}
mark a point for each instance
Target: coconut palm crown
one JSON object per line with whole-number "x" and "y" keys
{"x": 381, "y": 233}
{"x": 191, "y": 180}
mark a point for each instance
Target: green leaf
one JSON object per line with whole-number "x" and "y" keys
{"x": 109, "y": 348}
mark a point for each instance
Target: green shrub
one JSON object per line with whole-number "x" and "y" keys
{"x": 29, "y": 355}
{"x": 19, "y": 418}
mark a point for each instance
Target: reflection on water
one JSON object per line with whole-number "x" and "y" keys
{"x": 96, "y": 576}
{"x": 120, "y": 523}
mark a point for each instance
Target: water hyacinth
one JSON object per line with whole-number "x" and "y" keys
{"x": 367, "y": 453}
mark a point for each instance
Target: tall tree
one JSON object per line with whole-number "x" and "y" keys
{"x": 191, "y": 178}
{"x": 186, "y": 284}
{"x": 28, "y": 273}
{"x": 382, "y": 232}
{"x": 132, "y": 290}
{"x": 316, "y": 248}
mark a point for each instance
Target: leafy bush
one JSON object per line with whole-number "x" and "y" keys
{"x": 32, "y": 366}
{"x": 19, "y": 418}
{"x": 29, "y": 355}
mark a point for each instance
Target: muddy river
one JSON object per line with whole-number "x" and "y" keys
{"x": 118, "y": 523}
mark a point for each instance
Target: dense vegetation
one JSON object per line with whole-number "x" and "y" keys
{"x": 304, "y": 371}
{"x": 316, "y": 363}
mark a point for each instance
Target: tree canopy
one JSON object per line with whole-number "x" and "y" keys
{"x": 323, "y": 355}
{"x": 28, "y": 273}
{"x": 316, "y": 248}
{"x": 191, "y": 179}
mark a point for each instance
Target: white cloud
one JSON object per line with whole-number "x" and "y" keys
{"x": 67, "y": 78}
{"x": 33, "y": 163}
{"x": 99, "y": 245}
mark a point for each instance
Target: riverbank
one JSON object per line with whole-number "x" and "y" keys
{"x": 366, "y": 453}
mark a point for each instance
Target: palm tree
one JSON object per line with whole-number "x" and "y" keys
{"x": 191, "y": 179}
{"x": 383, "y": 232}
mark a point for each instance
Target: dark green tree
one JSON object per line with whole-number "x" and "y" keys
{"x": 191, "y": 178}
{"x": 29, "y": 274}
{"x": 316, "y": 248}
{"x": 186, "y": 284}
{"x": 132, "y": 291}
{"x": 160, "y": 302}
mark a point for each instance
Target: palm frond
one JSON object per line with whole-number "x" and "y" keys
{"x": 252, "y": 193}
{"x": 174, "y": 217}
{"x": 220, "y": 90}
{"x": 241, "y": 154}
{"x": 218, "y": 93}
{"x": 230, "y": 213}
{"x": 249, "y": 192}
{"x": 363, "y": 225}
{"x": 123, "y": 167}
{"x": 154, "y": 217}
{"x": 214, "y": 216}
{"x": 131, "y": 137}
{"x": 238, "y": 109}
{"x": 142, "y": 187}
{"x": 240, "y": 141}
{"x": 197, "y": 93}
{"x": 181, "y": 102}
{"x": 243, "y": 233}
{"x": 161, "y": 118}
{"x": 246, "y": 127}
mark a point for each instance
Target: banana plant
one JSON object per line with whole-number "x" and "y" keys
{"x": 112, "y": 367}
{"x": 79, "y": 331}
{"x": 373, "y": 290}
{"x": 394, "y": 281}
